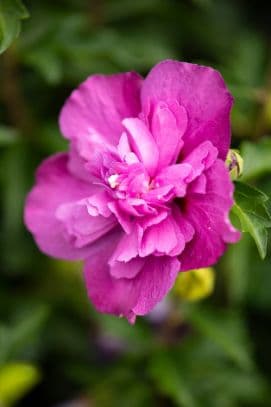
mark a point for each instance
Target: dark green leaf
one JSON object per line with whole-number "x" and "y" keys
{"x": 252, "y": 209}
{"x": 170, "y": 381}
{"x": 226, "y": 330}
{"x": 11, "y": 14}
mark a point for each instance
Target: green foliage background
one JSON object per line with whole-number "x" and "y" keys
{"x": 54, "y": 347}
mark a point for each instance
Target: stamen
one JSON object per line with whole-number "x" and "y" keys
{"x": 113, "y": 180}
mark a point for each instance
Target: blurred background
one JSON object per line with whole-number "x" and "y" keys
{"x": 55, "y": 350}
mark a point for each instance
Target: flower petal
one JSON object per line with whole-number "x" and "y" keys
{"x": 209, "y": 215}
{"x": 175, "y": 175}
{"x": 204, "y": 95}
{"x": 142, "y": 143}
{"x": 55, "y": 186}
{"x": 99, "y": 105}
{"x": 121, "y": 269}
{"x": 108, "y": 294}
{"x": 124, "y": 296}
{"x": 153, "y": 282}
{"x": 200, "y": 159}
{"x": 164, "y": 238}
{"x": 168, "y": 126}
{"x": 127, "y": 247}
{"x": 86, "y": 220}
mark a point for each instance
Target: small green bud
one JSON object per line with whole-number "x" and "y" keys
{"x": 235, "y": 164}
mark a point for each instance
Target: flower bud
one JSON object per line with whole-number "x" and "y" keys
{"x": 235, "y": 164}
{"x": 194, "y": 285}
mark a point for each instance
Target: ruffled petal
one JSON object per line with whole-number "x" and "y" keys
{"x": 127, "y": 297}
{"x": 202, "y": 92}
{"x": 55, "y": 186}
{"x": 121, "y": 269}
{"x": 200, "y": 159}
{"x": 86, "y": 220}
{"x": 175, "y": 175}
{"x": 164, "y": 238}
{"x": 142, "y": 143}
{"x": 154, "y": 282}
{"x": 98, "y": 106}
{"x": 168, "y": 125}
{"x": 108, "y": 294}
{"x": 209, "y": 215}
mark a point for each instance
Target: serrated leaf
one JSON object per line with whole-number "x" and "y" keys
{"x": 252, "y": 207}
{"x": 11, "y": 14}
{"x": 257, "y": 158}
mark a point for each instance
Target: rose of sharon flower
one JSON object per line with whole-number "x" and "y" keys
{"x": 143, "y": 192}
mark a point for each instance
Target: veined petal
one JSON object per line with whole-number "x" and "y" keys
{"x": 209, "y": 215}
{"x": 154, "y": 282}
{"x": 127, "y": 297}
{"x": 108, "y": 294}
{"x": 99, "y": 105}
{"x": 202, "y": 92}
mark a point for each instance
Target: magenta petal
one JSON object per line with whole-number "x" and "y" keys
{"x": 86, "y": 220}
{"x": 55, "y": 186}
{"x": 127, "y": 269}
{"x": 124, "y": 296}
{"x": 77, "y": 166}
{"x": 209, "y": 215}
{"x": 168, "y": 126}
{"x": 108, "y": 294}
{"x": 123, "y": 218}
{"x": 198, "y": 186}
{"x": 154, "y": 281}
{"x": 127, "y": 247}
{"x": 99, "y": 105}
{"x": 142, "y": 143}
{"x": 200, "y": 159}
{"x": 175, "y": 175}
{"x": 162, "y": 239}
{"x": 202, "y": 92}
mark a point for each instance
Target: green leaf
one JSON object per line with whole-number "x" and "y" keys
{"x": 170, "y": 381}
{"x": 252, "y": 207}
{"x": 11, "y": 14}
{"x": 19, "y": 339}
{"x": 236, "y": 265}
{"x": 226, "y": 330}
{"x": 257, "y": 158}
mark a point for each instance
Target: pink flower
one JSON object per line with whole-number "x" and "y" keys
{"x": 143, "y": 192}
